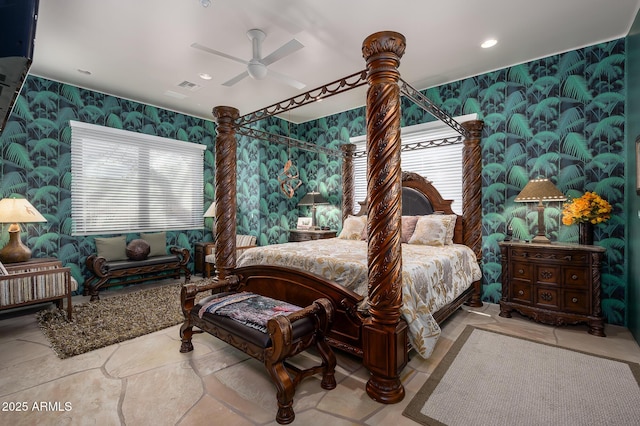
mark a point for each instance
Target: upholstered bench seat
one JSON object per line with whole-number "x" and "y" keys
{"x": 268, "y": 330}
{"x": 115, "y": 265}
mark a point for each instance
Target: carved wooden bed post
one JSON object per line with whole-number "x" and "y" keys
{"x": 348, "y": 183}
{"x": 226, "y": 176}
{"x": 472, "y": 197}
{"x": 384, "y": 335}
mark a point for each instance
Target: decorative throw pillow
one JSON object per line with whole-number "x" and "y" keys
{"x": 431, "y": 230}
{"x": 157, "y": 243}
{"x": 113, "y": 248}
{"x": 450, "y": 221}
{"x": 408, "y": 227}
{"x": 352, "y": 227}
{"x": 138, "y": 249}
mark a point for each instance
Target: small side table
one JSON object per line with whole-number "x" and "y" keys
{"x": 201, "y": 250}
{"x": 297, "y": 235}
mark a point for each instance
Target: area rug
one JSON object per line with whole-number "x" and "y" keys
{"x": 111, "y": 319}
{"x": 488, "y": 378}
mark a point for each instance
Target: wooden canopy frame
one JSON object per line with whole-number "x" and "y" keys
{"x": 384, "y": 333}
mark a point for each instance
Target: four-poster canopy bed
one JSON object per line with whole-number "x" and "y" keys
{"x": 379, "y": 335}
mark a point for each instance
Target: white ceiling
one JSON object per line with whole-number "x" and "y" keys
{"x": 140, "y": 49}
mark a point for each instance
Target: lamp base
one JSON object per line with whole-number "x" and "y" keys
{"x": 15, "y": 251}
{"x": 541, "y": 239}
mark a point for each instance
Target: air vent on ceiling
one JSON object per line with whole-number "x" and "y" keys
{"x": 189, "y": 86}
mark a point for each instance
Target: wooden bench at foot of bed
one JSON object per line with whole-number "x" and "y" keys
{"x": 285, "y": 335}
{"x": 106, "y": 273}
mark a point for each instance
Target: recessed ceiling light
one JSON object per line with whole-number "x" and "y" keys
{"x": 489, "y": 43}
{"x": 205, "y": 76}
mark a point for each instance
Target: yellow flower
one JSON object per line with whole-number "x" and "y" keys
{"x": 589, "y": 208}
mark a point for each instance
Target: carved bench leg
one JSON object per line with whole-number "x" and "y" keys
{"x": 186, "y": 333}
{"x": 94, "y": 289}
{"x": 285, "y": 390}
{"x": 328, "y": 363}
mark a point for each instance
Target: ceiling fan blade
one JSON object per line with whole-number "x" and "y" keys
{"x": 287, "y": 49}
{"x": 235, "y": 79}
{"x": 286, "y": 79}
{"x": 215, "y": 52}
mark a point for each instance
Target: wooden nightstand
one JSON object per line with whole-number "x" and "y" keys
{"x": 296, "y": 235}
{"x": 201, "y": 250}
{"x": 554, "y": 283}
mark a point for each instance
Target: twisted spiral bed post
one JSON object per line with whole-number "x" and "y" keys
{"x": 384, "y": 335}
{"x": 226, "y": 176}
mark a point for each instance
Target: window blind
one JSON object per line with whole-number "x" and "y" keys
{"x": 132, "y": 182}
{"x": 441, "y": 164}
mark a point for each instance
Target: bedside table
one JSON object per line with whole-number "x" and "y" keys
{"x": 296, "y": 235}
{"x": 201, "y": 250}
{"x": 553, "y": 283}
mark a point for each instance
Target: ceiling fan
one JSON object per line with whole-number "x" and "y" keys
{"x": 257, "y": 65}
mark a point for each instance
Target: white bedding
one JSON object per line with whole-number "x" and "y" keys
{"x": 431, "y": 278}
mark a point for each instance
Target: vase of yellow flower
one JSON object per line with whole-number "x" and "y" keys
{"x": 588, "y": 210}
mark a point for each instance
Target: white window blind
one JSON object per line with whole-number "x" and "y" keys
{"x": 132, "y": 182}
{"x": 440, "y": 164}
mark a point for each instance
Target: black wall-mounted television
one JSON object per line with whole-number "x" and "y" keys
{"x": 17, "y": 39}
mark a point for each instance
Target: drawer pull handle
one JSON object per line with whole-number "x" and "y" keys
{"x": 574, "y": 300}
{"x": 520, "y": 293}
{"x": 574, "y": 277}
{"x": 546, "y": 296}
{"x": 521, "y": 271}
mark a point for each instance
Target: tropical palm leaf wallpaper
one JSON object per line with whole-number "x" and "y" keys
{"x": 561, "y": 117}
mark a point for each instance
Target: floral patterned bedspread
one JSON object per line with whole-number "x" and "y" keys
{"x": 431, "y": 277}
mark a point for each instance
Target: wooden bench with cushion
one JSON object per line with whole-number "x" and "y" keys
{"x": 264, "y": 328}
{"x": 144, "y": 259}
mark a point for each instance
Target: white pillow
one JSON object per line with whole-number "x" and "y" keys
{"x": 352, "y": 227}
{"x": 431, "y": 230}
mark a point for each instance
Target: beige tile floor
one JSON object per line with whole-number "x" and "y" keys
{"x": 147, "y": 381}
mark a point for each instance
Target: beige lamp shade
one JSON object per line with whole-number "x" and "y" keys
{"x": 540, "y": 190}
{"x": 19, "y": 210}
{"x": 211, "y": 211}
{"x": 15, "y": 211}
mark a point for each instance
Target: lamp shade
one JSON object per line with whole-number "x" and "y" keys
{"x": 19, "y": 210}
{"x": 540, "y": 190}
{"x": 15, "y": 211}
{"x": 312, "y": 199}
{"x": 211, "y": 211}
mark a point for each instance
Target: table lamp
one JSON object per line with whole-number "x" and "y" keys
{"x": 211, "y": 212}
{"x": 540, "y": 190}
{"x": 15, "y": 211}
{"x": 313, "y": 199}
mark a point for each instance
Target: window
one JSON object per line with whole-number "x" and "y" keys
{"x": 132, "y": 182}
{"x": 439, "y": 163}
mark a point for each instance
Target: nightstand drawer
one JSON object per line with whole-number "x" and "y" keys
{"x": 547, "y": 298}
{"x": 521, "y": 271}
{"x": 548, "y": 274}
{"x": 575, "y": 277}
{"x": 521, "y": 292}
{"x": 577, "y": 302}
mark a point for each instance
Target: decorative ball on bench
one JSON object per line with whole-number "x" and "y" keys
{"x": 138, "y": 249}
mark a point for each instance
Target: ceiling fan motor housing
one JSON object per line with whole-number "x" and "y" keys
{"x": 256, "y": 69}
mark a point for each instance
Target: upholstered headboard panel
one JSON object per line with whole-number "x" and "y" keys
{"x": 414, "y": 203}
